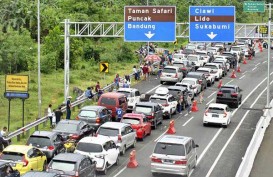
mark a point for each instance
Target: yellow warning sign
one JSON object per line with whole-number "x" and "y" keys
{"x": 104, "y": 67}
{"x": 16, "y": 83}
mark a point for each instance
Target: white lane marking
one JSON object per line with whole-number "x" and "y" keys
{"x": 120, "y": 171}
{"x": 254, "y": 68}
{"x": 244, "y": 72}
{"x": 271, "y": 73}
{"x": 160, "y": 136}
{"x": 212, "y": 94}
{"x": 208, "y": 146}
{"x": 187, "y": 122}
{"x": 242, "y": 77}
{"x": 238, "y": 126}
{"x": 154, "y": 88}
{"x": 264, "y": 62}
{"x": 232, "y": 135}
{"x": 229, "y": 82}
{"x": 258, "y": 64}
{"x": 186, "y": 114}
{"x": 210, "y": 101}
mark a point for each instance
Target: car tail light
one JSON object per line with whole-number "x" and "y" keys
{"x": 77, "y": 118}
{"x": 200, "y": 81}
{"x": 75, "y": 136}
{"x": 206, "y": 112}
{"x": 119, "y": 139}
{"x": 181, "y": 162}
{"x": 185, "y": 69}
{"x": 97, "y": 120}
{"x": 165, "y": 105}
{"x": 50, "y": 148}
{"x": 234, "y": 94}
{"x": 76, "y": 174}
{"x": 156, "y": 160}
{"x": 25, "y": 161}
{"x": 176, "y": 75}
{"x": 219, "y": 93}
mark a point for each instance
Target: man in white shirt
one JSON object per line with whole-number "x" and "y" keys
{"x": 49, "y": 114}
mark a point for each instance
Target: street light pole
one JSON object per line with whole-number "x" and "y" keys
{"x": 39, "y": 68}
{"x": 268, "y": 59}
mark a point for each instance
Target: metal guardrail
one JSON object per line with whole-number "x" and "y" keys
{"x": 45, "y": 118}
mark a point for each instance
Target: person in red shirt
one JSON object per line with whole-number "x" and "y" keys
{"x": 97, "y": 87}
{"x": 145, "y": 71}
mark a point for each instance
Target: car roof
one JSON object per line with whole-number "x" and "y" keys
{"x": 18, "y": 148}
{"x": 44, "y": 133}
{"x": 70, "y": 121}
{"x": 217, "y": 105}
{"x": 194, "y": 73}
{"x": 146, "y": 104}
{"x": 177, "y": 88}
{"x": 174, "y": 139}
{"x": 203, "y": 68}
{"x": 116, "y": 125}
{"x": 229, "y": 86}
{"x": 189, "y": 78}
{"x": 95, "y": 140}
{"x": 71, "y": 157}
{"x": 112, "y": 95}
{"x": 127, "y": 89}
{"x": 212, "y": 64}
{"x": 93, "y": 108}
{"x": 40, "y": 174}
{"x": 134, "y": 115}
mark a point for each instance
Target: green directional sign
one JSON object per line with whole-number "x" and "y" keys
{"x": 254, "y": 6}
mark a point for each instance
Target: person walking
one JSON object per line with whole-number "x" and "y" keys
{"x": 97, "y": 88}
{"x": 135, "y": 72}
{"x": 68, "y": 107}
{"x": 58, "y": 114}
{"x": 201, "y": 96}
{"x": 179, "y": 102}
{"x": 119, "y": 113}
{"x": 49, "y": 114}
{"x": 189, "y": 104}
{"x": 3, "y": 143}
{"x": 117, "y": 81}
{"x": 145, "y": 71}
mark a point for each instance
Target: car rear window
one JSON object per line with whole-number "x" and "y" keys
{"x": 192, "y": 76}
{"x": 169, "y": 70}
{"x": 13, "y": 156}
{"x": 88, "y": 114}
{"x": 89, "y": 147}
{"x": 203, "y": 71}
{"x": 144, "y": 109}
{"x": 211, "y": 66}
{"x": 226, "y": 90}
{"x": 192, "y": 58}
{"x": 39, "y": 141}
{"x": 159, "y": 100}
{"x": 108, "y": 131}
{"x": 188, "y": 82}
{"x": 63, "y": 165}
{"x": 130, "y": 120}
{"x": 216, "y": 110}
{"x": 108, "y": 101}
{"x": 170, "y": 149}
{"x": 67, "y": 127}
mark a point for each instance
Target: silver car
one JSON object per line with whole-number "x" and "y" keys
{"x": 174, "y": 155}
{"x": 171, "y": 74}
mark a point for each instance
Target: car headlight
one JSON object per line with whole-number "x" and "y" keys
{"x": 101, "y": 156}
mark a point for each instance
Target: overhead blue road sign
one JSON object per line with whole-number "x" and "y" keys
{"x": 149, "y": 23}
{"x": 212, "y": 23}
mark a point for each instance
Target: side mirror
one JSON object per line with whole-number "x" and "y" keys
{"x": 196, "y": 146}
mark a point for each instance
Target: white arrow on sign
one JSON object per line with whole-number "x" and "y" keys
{"x": 149, "y": 34}
{"x": 212, "y": 35}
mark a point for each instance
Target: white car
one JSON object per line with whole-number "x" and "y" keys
{"x": 167, "y": 101}
{"x": 195, "y": 85}
{"x": 217, "y": 113}
{"x": 122, "y": 134}
{"x": 103, "y": 150}
{"x": 171, "y": 74}
{"x": 133, "y": 96}
{"x": 204, "y": 55}
{"x": 188, "y": 86}
{"x": 223, "y": 58}
{"x": 216, "y": 70}
{"x": 210, "y": 76}
{"x": 237, "y": 50}
{"x": 178, "y": 56}
{"x": 213, "y": 50}
{"x": 196, "y": 60}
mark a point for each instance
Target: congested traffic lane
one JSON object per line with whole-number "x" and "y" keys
{"x": 204, "y": 136}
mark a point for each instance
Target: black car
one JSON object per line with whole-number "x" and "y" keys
{"x": 41, "y": 174}
{"x": 7, "y": 171}
{"x": 153, "y": 112}
{"x": 50, "y": 143}
{"x": 70, "y": 164}
{"x": 201, "y": 78}
{"x": 175, "y": 90}
{"x": 230, "y": 95}
{"x": 95, "y": 115}
{"x": 73, "y": 129}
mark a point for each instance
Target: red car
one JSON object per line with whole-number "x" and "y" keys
{"x": 139, "y": 123}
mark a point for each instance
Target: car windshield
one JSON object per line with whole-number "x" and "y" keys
{"x": 174, "y": 92}
{"x": 67, "y": 127}
{"x": 126, "y": 93}
{"x": 169, "y": 70}
{"x": 108, "y": 131}
{"x": 144, "y": 109}
{"x": 189, "y": 82}
{"x": 108, "y": 101}
{"x": 235, "y": 48}
{"x": 89, "y": 147}
{"x": 88, "y": 113}
{"x": 192, "y": 58}
{"x": 159, "y": 100}
{"x": 211, "y": 50}
{"x": 170, "y": 149}
{"x": 178, "y": 56}
{"x": 13, "y": 156}
{"x": 130, "y": 120}
{"x": 63, "y": 165}
{"x": 200, "y": 53}
{"x": 216, "y": 110}
{"x": 39, "y": 141}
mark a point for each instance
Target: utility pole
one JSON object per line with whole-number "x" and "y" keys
{"x": 39, "y": 63}
{"x": 268, "y": 59}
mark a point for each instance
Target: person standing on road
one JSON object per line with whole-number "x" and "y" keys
{"x": 68, "y": 108}
{"x": 135, "y": 72}
{"x": 189, "y": 104}
{"x": 3, "y": 143}
{"x": 179, "y": 102}
{"x": 49, "y": 114}
{"x": 58, "y": 114}
{"x": 119, "y": 113}
{"x": 145, "y": 70}
{"x": 201, "y": 96}
{"x": 117, "y": 81}
{"x": 97, "y": 88}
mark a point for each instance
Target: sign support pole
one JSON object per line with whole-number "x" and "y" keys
{"x": 23, "y": 115}
{"x": 9, "y": 116}
{"x": 268, "y": 59}
{"x": 148, "y": 47}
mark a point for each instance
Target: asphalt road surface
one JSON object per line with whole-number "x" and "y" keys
{"x": 220, "y": 150}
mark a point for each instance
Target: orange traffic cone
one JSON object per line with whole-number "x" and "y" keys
{"x": 233, "y": 75}
{"x": 132, "y": 162}
{"x": 244, "y": 62}
{"x": 194, "y": 106}
{"x": 238, "y": 69}
{"x": 171, "y": 129}
{"x": 220, "y": 83}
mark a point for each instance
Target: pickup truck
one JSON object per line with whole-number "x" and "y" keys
{"x": 133, "y": 96}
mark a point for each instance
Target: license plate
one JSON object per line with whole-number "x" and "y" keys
{"x": 215, "y": 115}
{"x": 168, "y": 161}
{"x": 169, "y": 75}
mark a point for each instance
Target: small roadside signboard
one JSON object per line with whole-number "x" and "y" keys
{"x": 149, "y": 23}
{"x": 212, "y": 23}
{"x": 104, "y": 67}
{"x": 254, "y": 6}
